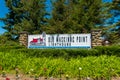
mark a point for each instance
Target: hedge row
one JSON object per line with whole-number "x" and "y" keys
{"x": 66, "y": 53}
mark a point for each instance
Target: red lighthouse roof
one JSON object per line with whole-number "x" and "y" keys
{"x": 34, "y": 40}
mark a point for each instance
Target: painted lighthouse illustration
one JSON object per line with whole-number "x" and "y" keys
{"x": 41, "y": 41}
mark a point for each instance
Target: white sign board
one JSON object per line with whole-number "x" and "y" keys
{"x": 59, "y": 41}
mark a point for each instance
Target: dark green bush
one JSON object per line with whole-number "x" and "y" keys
{"x": 65, "y": 53}
{"x": 108, "y": 50}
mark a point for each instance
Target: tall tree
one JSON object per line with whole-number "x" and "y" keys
{"x": 116, "y": 13}
{"x": 60, "y": 16}
{"x": 114, "y": 31}
{"x": 92, "y": 14}
{"x": 77, "y": 16}
{"x": 25, "y": 15}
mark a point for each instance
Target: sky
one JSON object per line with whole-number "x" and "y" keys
{"x": 4, "y": 11}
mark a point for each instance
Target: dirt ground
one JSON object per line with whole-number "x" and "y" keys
{"x": 23, "y": 77}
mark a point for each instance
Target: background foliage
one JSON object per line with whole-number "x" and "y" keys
{"x": 65, "y": 16}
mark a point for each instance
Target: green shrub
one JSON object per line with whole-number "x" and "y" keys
{"x": 108, "y": 50}
{"x": 65, "y": 53}
{"x": 96, "y": 62}
{"x": 92, "y": 66}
